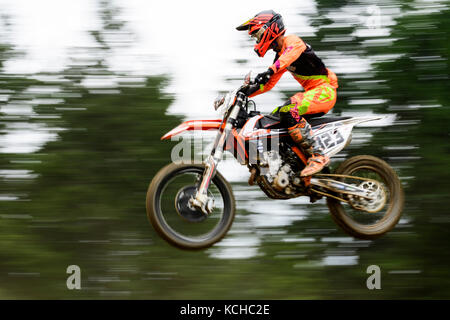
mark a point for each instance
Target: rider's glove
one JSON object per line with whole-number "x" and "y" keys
{"x": 249, "y": 90}
{"x": 264, "y": 77}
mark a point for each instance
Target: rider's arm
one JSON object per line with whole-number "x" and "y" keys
{"x": 269, "y": 85}
{"x": 294, "y": 48}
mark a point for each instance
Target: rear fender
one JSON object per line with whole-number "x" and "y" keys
{"x": 194, "y": 125}
{"x": 334, "y": 136}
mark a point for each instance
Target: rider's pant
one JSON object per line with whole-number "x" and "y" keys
{"x": 320, "y": 99}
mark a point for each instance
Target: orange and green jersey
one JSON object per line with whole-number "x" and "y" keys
{"x": 300, "y": 60}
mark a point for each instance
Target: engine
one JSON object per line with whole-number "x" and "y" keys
{"x": 280, "y": 173}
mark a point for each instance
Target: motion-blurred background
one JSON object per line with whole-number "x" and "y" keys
{"x": 88, "y": 87}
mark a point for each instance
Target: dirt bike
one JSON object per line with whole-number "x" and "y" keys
{"x": 192, "y": 205}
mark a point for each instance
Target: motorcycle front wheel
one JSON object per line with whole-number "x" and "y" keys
{"x": 171, "y": 215}
{"x": 378, "y": 217}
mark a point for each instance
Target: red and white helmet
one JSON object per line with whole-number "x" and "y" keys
{"x": 265, "y": 27}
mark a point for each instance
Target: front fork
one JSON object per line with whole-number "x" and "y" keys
{"x": 201, "y": 199}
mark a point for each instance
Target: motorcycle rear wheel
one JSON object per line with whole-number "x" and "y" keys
{"x": 188, "y": 217}
{"x": 393, "y": 207}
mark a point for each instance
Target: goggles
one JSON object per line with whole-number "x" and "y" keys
{"x": 258, "y": 34}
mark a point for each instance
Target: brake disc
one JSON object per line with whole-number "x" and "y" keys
{"x": 376, "y": 191}
{"x": 184, "y": 208}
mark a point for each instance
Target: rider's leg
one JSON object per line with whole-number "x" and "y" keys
{"x": 317, "y": 100}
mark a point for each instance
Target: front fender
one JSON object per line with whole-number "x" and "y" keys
{"x": 194, "y": 125}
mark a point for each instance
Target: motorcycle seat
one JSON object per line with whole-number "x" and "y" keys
{"x": 322, "y": 120}
{"x": 314, "y": 119}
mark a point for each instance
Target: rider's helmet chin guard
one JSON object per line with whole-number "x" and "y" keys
{"x": 265, "y": 27}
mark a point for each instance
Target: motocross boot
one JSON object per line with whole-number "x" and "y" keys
{"x": 301, "y": 133}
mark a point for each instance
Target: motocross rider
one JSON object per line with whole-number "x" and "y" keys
{"x": 297, "y": 57}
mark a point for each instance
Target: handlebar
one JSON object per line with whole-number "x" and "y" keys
{"x": 249, "y": 88}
